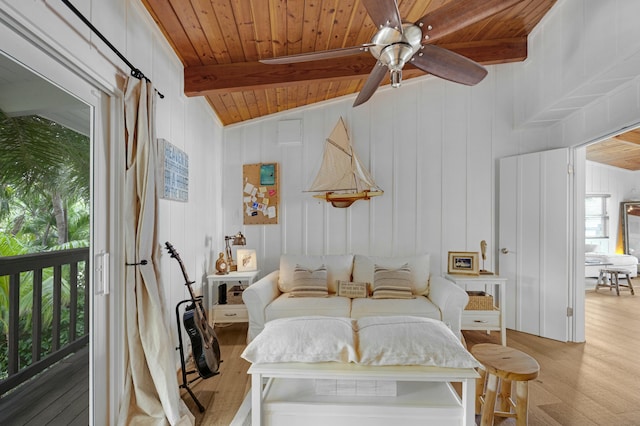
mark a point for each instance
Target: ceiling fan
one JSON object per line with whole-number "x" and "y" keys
{"x": 397, "y": 43}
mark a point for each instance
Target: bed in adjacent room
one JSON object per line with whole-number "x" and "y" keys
{"x": 594, "y": 262}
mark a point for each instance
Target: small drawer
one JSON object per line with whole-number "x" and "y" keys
{"x": 480, "y": 320}
{"x": 230, "y": 313}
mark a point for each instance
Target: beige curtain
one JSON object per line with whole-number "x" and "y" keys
{"x": 151, "y": 395}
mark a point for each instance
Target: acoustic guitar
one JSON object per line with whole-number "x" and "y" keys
{"x": 204, "y": 342}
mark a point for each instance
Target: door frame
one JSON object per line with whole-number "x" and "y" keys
{"x": 106, "y": 340}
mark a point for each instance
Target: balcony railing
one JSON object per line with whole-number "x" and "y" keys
{"x": 57, "y": 314}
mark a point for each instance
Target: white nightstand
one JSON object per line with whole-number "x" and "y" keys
{"x": 489, "y": 320}
{"x": 234, "y": 310}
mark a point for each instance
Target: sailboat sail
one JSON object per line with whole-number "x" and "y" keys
{"x": 342, "y": 176}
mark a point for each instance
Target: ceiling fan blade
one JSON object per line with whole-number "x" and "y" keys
{"x": 371, "y": 85}
{"x": 384, "y": 13}
{"x": 449, "y": 65}
{"x": 458, "y": 14}
{"x": 317, "y": 56}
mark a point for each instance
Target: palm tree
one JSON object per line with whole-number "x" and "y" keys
{"x": 39, "y": 156}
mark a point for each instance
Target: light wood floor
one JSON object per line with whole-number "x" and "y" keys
{"x": 582, "y": 384}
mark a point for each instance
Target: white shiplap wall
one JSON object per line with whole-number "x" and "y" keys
{"x": 429, "y": 145}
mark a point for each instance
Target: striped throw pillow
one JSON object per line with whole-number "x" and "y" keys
{"x": 392, "y": 283}
{"x": 309, "y": 283}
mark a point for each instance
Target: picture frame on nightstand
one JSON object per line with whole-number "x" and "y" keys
{"x": 464, "y": 262}
{"x": 247, "y": 260}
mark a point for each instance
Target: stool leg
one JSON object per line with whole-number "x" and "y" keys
{"x": 630, "y": 285}
{"x": 610, "y": 281}
{"x": 600, "y": 280}
{"x": 489, "y": 401}
{"x": 617, "y": 283}
{"x": 505, "y": 394}
{"x": 480, "y": 389}
{"x": 522, "y": 403}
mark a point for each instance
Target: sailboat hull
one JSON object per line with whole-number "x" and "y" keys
{"x": 343, "y": 200}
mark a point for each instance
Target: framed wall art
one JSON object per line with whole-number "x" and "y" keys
{"x": 173, "y": 166}
{"x": 463, "y": 262}
{"x": 247, "y": 260}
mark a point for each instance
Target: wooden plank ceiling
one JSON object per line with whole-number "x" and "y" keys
{"x": 221, "y": 41}
{"x": 619, "y": 151}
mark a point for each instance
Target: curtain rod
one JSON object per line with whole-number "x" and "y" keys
{"x": 135, "y": 72}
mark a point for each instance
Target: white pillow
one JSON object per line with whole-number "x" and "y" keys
{"x": 363, "y": 269}
{"x": 304, "y": 339}
{"x": 407, "y": 340}
{"x": 338, "y": 268}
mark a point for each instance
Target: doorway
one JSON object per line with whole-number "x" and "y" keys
{"x": 35, "y": 84}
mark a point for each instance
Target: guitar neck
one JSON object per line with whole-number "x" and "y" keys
{"x": 188, "y": 282}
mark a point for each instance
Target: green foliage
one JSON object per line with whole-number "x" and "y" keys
{"x": 44, "y": 205}
{"x": 38, "y": 154}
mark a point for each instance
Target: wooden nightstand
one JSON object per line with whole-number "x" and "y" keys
{"x": 234, "y": 310}
{"x": 489, "y": 320}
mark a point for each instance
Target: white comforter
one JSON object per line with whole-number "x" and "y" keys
{"x": 614, "y": 259}
{"x": 594, "y": 261}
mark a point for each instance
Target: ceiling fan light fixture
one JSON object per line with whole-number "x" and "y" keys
{"x": 396, "y": 78}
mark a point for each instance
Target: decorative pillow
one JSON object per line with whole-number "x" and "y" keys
{"x": 308, "y": 283}
{"x": 339, "y": 267}
{"x": 352, "y": 290}
{"x": 392, "y": 283}
{"x": 304, "y": 339}
{"x": 363, "y": 269}
{"x": 407, "y": 340}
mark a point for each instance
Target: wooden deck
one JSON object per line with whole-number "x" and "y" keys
{"x": 58, "y": 396}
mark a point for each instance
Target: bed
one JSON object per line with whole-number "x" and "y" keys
{"x": 596, "y": 261}
{"x": 370, "y": 371}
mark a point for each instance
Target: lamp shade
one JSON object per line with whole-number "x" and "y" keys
{"x": 239, "y": 240}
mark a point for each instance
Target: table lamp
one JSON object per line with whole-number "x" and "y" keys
{"x": 236, "y": 240}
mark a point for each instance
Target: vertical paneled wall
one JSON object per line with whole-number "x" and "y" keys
{"x": 429, "y": 145}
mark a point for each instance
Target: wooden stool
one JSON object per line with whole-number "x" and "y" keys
{"x": 507, "y": 365}
{"x": 613, "y": 275}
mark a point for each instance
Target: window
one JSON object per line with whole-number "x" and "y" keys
{"x": 596, "y": 216}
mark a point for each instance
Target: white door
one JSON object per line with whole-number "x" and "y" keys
{"x": 535, "y": 205}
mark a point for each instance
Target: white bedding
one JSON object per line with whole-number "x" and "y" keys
{"x": 626, "y": 262}
{"x": 616, "y": 259}
{"x": 385, "y": 340}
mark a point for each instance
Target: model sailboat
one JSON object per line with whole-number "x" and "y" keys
{"x": 342, "y": 177}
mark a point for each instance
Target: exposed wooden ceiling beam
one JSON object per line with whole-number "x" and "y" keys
{"x": 226, "y": 78}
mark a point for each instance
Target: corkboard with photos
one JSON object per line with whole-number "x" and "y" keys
{"x": 260, "y": 193}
